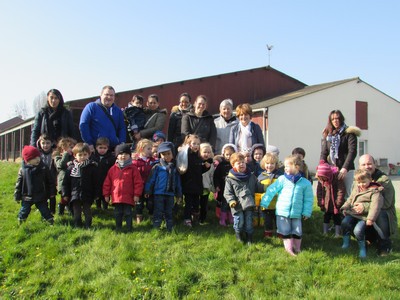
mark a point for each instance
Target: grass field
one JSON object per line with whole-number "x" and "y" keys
{"x": 62, "y": 262}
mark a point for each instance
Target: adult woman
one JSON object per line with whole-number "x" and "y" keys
{"x": 155, "y": 118}
{"x": 339, "y": 146}
{"x": 175, "y": 120}
{"x": 53, "y": 119}
{"x": 200, "y": 122}
{"x": 224, "y": 124}
{"x": 246, "y": 133}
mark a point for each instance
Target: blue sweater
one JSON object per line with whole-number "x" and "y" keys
{"x": 94, "y": 123}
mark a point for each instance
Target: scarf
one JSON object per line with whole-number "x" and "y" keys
{"x": 76, "y": 169}
{"x": 169, "y": 167}
{"x": 46, "y": 157}
{"x": 293, "y": 178}
{"x": 124, "y": 163}
{"x": 51, "y": 122}
{"x": 241, "y": 176}
{"x": 245, "y": 142}
{"x": 335, "y": 142}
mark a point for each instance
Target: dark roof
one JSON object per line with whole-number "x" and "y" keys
{"x": 300, "y": 93}
{"x": 10, "y": 123}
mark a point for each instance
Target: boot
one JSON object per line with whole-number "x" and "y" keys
{"x": 139, "y": 219}
{"x": 326, "y": 228}
{"x": 238, "y": 237}
{"x": 222, "y": 218}
{"x": 346, "y": 241}
{"x": 230, "y": 218}
{"x": 249, "y": 237}
{"x": 337, "y": 231}
{"x": 363, "y": 249}
{"x": 268, "y": 233}
{"x": 288, "y": 243}
{"x": 61, "y": 208}
{"x": 195, "y": 218}
{"x": 296, "y": 245}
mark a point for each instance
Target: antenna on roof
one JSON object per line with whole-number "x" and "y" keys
{"x": 269, "y": 47}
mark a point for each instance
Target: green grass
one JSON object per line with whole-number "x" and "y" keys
{"x": 61, "y": 262}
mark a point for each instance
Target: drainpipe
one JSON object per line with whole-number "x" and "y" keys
{"x": 265, "y": 116}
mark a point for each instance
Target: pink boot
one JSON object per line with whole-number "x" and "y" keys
{"x": 288, "y": 243}
{"x": 296, "y": 245}
{"x": 222, "y": 218}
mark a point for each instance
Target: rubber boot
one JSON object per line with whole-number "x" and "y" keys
{"x": 325, "y": 228}
{"x": 346, "y": 241}
{"x": 296, "y": 245}
{"x": 222, "y": 218}
{"x": 238, "y": 237}
{"x": 363, "y": 249}
{"x": 337, "y": 231}
{"x": 288, "y": 243}
{"x": 139, "y": 219}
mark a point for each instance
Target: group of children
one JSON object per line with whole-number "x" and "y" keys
{"x": 245, "y": 187}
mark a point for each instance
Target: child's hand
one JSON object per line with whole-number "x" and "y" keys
{"x": 232, "y": 204}
{"x": 305, "y": 218}
{"x": 207, "y": 165}
{"x": 136, "y": 199}
{"x": 370, "y": 222}
{"x": 64, "y": 200}
{"x": 107, "y": 199}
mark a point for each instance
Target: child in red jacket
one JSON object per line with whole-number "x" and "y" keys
{"x": 124, "y": 184}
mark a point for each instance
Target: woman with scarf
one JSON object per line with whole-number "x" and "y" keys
{"x": 175, "y": 120}
{"x": 339, "y": 147}
{"x": 53, "y": 119}
{"x": 246, "y": 133}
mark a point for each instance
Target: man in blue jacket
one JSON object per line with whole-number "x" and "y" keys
{"x": 102, "y": 118}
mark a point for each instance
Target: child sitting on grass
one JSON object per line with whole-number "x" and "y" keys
{"x": 366, "y": 192}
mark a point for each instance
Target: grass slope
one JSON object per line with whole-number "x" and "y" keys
{"x": 61, "y": 262}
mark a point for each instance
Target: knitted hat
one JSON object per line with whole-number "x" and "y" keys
{"x": 164, "y": 147}
{"x": 30, "y": 152}
{"x": 326, "y": 170}
{"x": 228, "y": 145}
{"x": 273, "y": 149}
{"x": 158, "y": 135}
{"x": 257, "y": 146}
{"x": 123, "y": 148}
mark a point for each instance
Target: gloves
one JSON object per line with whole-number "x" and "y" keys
{"x": 232, "y": 204}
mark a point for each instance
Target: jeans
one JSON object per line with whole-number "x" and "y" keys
{"x": 243, "y": 219}
{"x": 289, "y": 226}
{"x": 385, "y": 243}
{"x": 41, "y": 206}
{"x": 121, "y": 210}
{"x": 79, "y": 206}
{"x": 192, "y": 202}
{"x": 148, "y": 202}
{"x": 353, "y": 225}
{"x": 269, "y": 219}
{"x": 163, "y": 206}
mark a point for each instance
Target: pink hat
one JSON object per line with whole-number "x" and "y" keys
{"x": 326, "y": 170}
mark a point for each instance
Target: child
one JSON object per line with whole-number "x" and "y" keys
{"x": 257, "y": 154}
{"x": 62, "y": 157}
{"x": 135, "y": 117}
{"x": 159, "y": 137}
{"x": 330, "y": 195}
{"x": 144, "y": 162}
{"x": 192, "y": 181}
{"x": 80, "y": 185}
{"x": 34, "y": 185}
{"x": 270, "y": 164}
{"x": 240, "y": 187}
{"x": 154, "y": 150}
{"x": 164, "y": 183}
{"x": 295, "y": 200}
{"x": 366, "y": 192}
{"x": 300, "y": 151}
{"x": 221, "y": 171}
{"x": 44, "y": 144}
{"x": 125, "y": 186}
{"x": 206, "y": 155}
{"x": 105, "y": 160}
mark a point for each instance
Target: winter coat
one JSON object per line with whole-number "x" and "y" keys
{"x": 47, "y": 159}
{"x": 61, "y": 162}
{"x": 202, "y": 126}
{"x": 95, "y": 123}
{"x": 192, "y": 180}
{"x": 123, "y": 184}
{"x": 208, "y": 178}
{"x": 266, "y": 179}
{"x": 84, "y": 188}
{"x": 104, "y": 163}
{"x": 144, "y": 166}
{"x": 175, "y": 124}
{"x": 155, "y": 121}
{"x": 158, "y": 181}
{"x": 242, "y": 192}
{"x": 223, "y": 128}
{"x": 61, "y": 126}
{"x": 371, "y": 196}
{"x": 256, "y": 137}
{"x": 220, "y": 173}
{"x": 324, "y": 195}
{"x": 42, "y": 183}
{"x": 347, "y": 148}
{"x": 294, "y": 199}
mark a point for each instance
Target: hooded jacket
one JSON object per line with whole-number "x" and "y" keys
{"x": 203, "y": 126}
{"x": 175, "y": 124}
{"x": 158, "y": 181}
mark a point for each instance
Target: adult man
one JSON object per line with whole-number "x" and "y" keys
{"x": 102, "y": 118}
{"x": 387, "y": 219}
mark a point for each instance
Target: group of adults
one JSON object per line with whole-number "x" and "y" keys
{"x": 103, "y": 118}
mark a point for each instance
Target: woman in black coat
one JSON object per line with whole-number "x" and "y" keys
{"x": 53, "y": 119}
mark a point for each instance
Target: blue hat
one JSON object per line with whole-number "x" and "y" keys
{"x": 159, "y": 135}
{"x": 164, "y": 147}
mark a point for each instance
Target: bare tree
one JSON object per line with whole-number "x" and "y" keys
{"x": 21, "y": 109}
{"x": 39, "y": 101}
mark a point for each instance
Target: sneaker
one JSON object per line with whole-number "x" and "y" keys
{"x": 385, "y": 252}
{"x": 187, "y": 223}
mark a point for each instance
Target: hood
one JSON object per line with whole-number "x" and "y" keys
{"x": 354, "y": 130}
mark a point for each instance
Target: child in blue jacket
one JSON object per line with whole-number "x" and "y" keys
{"x": 164, "y": 183}
{"x": 295, "y": 200}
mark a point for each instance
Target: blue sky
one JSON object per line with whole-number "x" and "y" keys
{"x": 80, "y": 46}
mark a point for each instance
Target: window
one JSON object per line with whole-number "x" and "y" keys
{"x": 362, "y": 148}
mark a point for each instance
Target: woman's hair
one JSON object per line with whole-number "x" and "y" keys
{"x": 201, "y": 97}
{"x": 81, "y": 147}
{"x": 185, "y": 95}
{"x": 226, "y": 102}
{"x": 154, "y": 96}
{"x": 207, "y": 145}
{"x": 142, "y": 144}
{"x": 65, "y": 142}
{"x": 237, "y": 156}
{"x": 244, "y": 109}
{"x": 329, "y": 127}
{"x": 58, "y": 95}
{"x": 189, "y": 138}
{"x": 268, "y": 159}
{"x": 137, "y": 97}
{"x": 295, "y": 160}
{"x": 362, "y": 175}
